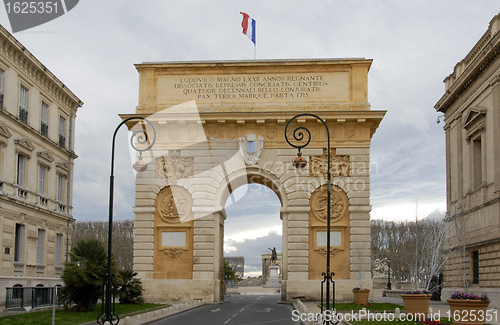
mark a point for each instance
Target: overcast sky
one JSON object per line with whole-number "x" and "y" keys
{"x": 414, "y": 46}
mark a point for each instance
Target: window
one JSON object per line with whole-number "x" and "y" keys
{"x": 59, "y": 238}
{"x": 44, "y": 126}
{"x": 477, "y": 162}
{"x": 62, "y": 132}
{"x": 23, "y": 104}
{"x": 40, "y": 244}
{"x": 60, "y": 187}
{"x": 18, "y": 244}
{"x": 42, "y": 175}
{"x": 21, "y": 170}
{"x": 475, "y": 267}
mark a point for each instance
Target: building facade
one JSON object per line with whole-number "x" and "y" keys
{"x": 471, "y": 107}
{"x": 37, "y": 122}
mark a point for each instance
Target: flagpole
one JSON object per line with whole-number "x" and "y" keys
{"x": 255, "y": 51}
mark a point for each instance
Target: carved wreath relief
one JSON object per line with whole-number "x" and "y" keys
{"x": 173, "y": 252}
{"x": 319, "y": 204}
{"x": 174, "y": 204}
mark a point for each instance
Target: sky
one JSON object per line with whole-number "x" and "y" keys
{"x": 414, "y": 45}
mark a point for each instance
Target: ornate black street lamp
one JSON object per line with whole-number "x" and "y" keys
{"x": 108, "y": 315}
{"x": 389, "y": 286}
{"x": 302, "y": 137}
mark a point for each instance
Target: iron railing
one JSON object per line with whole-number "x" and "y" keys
{"x": 32, "y": 297}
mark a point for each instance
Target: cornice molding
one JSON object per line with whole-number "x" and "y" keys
{"x": 13, "y": 51}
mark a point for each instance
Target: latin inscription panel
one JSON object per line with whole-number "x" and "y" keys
{"x": 173, "y": 238}
{"x": 286, "y": 87}
{"x": 335, "y": 238}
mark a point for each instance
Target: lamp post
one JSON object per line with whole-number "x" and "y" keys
{"x": 389, "y": 286}
{"x": 108, "y": 315}
{"x": 302, "y": 135}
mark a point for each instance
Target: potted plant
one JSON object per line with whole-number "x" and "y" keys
{"x": 468, "y": 308}
{"x": 360, "y": 296}
{"x": 417, "y": 303}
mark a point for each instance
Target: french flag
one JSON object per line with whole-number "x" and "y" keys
{"x": 248, "y": 25}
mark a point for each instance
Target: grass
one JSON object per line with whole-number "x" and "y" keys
{"x": 372, "y": 307}
{"x": 71, "y": 317}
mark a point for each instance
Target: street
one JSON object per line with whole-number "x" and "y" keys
{"x": 237, "y": 310}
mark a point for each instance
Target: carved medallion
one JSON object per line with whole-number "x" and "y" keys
{"x": 174, "y": 166}
{"x": 173, "y": 252}
{"x": 338, "y": 204}
{"x": 333, "y": 252}
{"x": 251, "y": 148}
{"x": 339, "y": 166}
{"x": 173, "y": 204}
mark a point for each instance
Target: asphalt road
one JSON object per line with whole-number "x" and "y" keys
{"x": 237, "y": 310}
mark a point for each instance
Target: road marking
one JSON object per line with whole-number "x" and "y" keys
{"x": 227, "y": 321}
{"x": 265, "y": 310}
{"x": 216, "y": 310}
{"x": 260, "y": 297}
{"x": 235, "y": 315}
{"x": 242, "y": 309}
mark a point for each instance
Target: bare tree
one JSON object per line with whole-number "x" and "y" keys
{"x": 237, "y": 263}
{"x": 123, "y": 238}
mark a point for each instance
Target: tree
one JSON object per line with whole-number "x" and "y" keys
{"x": 129, "y": 288}
{"x": 230, "y": 272}
{"x": 123, "y": 238}
{"x": 237, "y": 263}
{"x": 84, "y": 274}
{"x": 416, "y": 249}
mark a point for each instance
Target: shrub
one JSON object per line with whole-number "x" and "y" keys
{"x": 84, "y": 275}
{"x": 129, "y": 288}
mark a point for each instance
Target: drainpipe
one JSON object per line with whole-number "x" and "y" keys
{"x": 68, "y": 185}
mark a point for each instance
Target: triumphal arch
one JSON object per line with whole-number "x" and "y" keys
{"x": 221, "y": 124}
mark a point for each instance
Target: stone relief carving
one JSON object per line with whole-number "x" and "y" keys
{"x": 251, "y": 148}
{"x": 174, "y": 167}
{"x": 339, "y": 166}
{"x": 319, "y": 200}
{"x": 174, "y": 252}
{"x": 174, "y": 204}
{"x": 333, "y": 252}
{"x": 380, "y": 269}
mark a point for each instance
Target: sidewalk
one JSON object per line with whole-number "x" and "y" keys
{"x": 440, "y": 308}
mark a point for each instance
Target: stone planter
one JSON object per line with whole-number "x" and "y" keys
{"x": 361, "y": 296}
{"x": 418, "y": 305}
{"x": 472, "y": 312}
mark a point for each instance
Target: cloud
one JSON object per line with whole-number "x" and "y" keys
{"x": 252, "y": 249}
{"x": 414, "y": 45}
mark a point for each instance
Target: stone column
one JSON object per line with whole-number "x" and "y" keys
{"x": 143, "y": 241}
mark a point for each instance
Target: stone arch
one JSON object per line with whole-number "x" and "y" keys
{"x": 250, "y": 175}
{"x": 205, "y": 141}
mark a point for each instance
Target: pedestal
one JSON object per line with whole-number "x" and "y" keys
{"x": 274, "y": 280}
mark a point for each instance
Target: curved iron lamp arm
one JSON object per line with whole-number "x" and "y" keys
{"x": 302, "y": 135}
{"x": 142, "y": 137}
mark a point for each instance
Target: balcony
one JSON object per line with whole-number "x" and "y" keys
{"x": 59, "y": 271}
{"x": 43, "y": 201}
{"x": 23, "y": 194}
{"x": 44, "y": 129}
{"x": 23, "y": 114}
{"x": 40, "y": 271}
{"x": 19, "y": 268}
{"x": 62, "y": 141}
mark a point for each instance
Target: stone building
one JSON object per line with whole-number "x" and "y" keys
{"x": 220, "y": 125}
{"x": 471, "y": 107}
{"x": 37, "y": 122}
